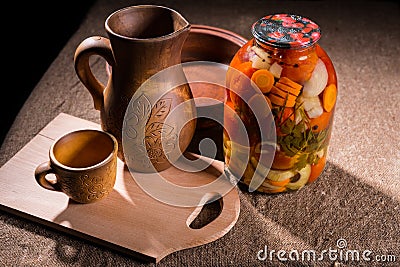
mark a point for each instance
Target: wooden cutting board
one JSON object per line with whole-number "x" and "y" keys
{"x": 128, "y": 220}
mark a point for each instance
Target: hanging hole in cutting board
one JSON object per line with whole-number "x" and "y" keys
{"x": 205, "y": 214}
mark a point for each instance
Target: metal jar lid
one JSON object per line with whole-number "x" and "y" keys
{"x": 286, "y": 31}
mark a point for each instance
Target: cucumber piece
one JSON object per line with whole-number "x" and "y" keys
{"x": 277, "y": 175}
{"x": 304, "y": 175}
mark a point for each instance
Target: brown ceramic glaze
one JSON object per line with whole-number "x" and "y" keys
{"x": 142, "y": 41}
{"x": 84, "y": 163}
{"x": 207, "y": 43}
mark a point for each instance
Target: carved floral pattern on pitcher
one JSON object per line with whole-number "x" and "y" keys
{"x": 159, "y": 137}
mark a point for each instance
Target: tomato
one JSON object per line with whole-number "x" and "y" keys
{"x": 320, "y": 123}
{"x": 317, "y": 169}
{"x": 282, "y": 161}
{"x": 246, "y": 68}
{"x": 239, "y": 83}
{"x": 233, "y": 126}
{"x": 242, "y": 55}
{"x": 235, "y": 61}
{"x": 299, "y": 65}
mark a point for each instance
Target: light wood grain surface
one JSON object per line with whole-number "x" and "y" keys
{"x": 128, "y": 220}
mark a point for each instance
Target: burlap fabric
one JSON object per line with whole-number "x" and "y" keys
{"x": 357, "y": 197}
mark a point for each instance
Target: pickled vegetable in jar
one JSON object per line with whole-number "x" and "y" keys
{"x": 296, "y": 78}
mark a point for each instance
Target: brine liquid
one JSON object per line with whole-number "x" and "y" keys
{"x": 302, "y": 101}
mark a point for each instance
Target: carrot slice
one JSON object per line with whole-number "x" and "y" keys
{"x": 290, "y": 83}
{"x": 278, "y": 183}
{"x": 277, "y": 100}
{"x": 268, "y": 102}
{"x": 275, "y": 90}
{"x": 287, "y": 88}
{"x": 264, "y": 79}
{"x": 329, "y": 97}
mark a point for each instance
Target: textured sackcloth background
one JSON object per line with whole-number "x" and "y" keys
{"x": 357, "y": 197}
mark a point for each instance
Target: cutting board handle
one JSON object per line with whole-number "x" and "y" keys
{"x": 230, "y": 208}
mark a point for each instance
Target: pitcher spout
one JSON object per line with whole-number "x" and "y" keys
{"x": 147, "y": 23}
{"x": 181, "y": 25}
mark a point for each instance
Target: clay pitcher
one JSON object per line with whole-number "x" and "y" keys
{"x": 142, "y": 41}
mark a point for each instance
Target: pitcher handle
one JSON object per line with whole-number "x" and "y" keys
{"x": 95, "y": 45}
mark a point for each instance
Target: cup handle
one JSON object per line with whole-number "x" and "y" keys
{"x": 40, "y": 175}
{"x": 95, "y": 45}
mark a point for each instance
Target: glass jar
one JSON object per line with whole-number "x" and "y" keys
{"x": 283, "y": 63}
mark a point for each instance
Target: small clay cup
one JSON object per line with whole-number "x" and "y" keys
{"x": 84, "y": 163}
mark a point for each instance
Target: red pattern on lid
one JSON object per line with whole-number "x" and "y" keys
{"x": 286, "y": 31}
